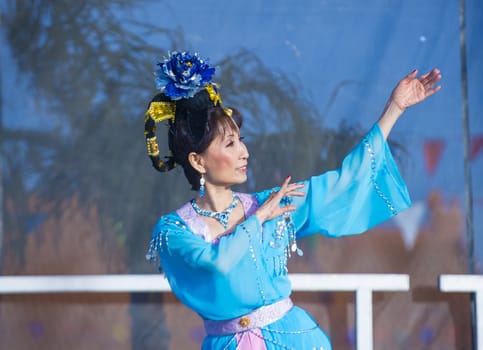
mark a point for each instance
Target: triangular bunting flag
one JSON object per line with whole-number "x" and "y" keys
{"x": 432, "y": 154}
{"x": 476, "y": 146}
{"x": 409, "y": 222}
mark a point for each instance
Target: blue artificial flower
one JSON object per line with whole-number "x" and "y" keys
{"x": 182, "y": 75}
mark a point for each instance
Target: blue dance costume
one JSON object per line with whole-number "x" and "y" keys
{"x": 238, "y": 283}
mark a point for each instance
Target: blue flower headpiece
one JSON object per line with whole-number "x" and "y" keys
{"x": 182, "y": 75}
{"x": 179, "y": 76}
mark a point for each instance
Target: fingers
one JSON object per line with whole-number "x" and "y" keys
{"x": 432, "y": 91}
{"x": 277, "y": 196}
{"x": 285, "y": 209}
{"x": 286, "y": 183}
{"x": 430, "y": 80}
{"x": 290, "y": 189}
{"x": 272, "y": 208}
{"x": 435, "y": 76}
{"x": 413, "y": 74}
{"x": 431, "y": 77}
{"x": 287, "y": 190}
{"x": 423, "y": 78}
{"x": 293, "y": 190}
{"x": 435, "y": 72}
{"x": 296, "y": 194}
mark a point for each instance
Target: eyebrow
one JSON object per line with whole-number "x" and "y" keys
{"x": 229, "y": 136}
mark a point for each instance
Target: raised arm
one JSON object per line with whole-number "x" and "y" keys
{"x": 408, "y": 92}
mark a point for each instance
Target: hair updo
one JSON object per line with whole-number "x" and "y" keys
{"x": 196, "y": 124}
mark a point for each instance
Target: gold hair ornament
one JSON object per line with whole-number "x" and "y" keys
{"x": 160, "y": 111}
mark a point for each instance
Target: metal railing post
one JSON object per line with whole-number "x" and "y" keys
{"x": 468, "y": 284}
{"x": 361, "y": 284}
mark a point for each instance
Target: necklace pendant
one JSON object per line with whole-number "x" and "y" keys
{"x": 222, "y": 217}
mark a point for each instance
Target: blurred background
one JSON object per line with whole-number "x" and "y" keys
{"x": 79, "y": 196}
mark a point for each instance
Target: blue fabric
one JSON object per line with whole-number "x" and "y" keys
{"x": 247, "y": 268}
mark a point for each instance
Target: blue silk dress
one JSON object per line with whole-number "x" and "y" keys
{"x": 247, "y": 268}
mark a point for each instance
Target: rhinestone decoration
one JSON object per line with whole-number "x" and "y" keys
{"x": 373, "y": 178}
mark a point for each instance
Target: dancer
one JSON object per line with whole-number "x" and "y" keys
{"x": 225, "y": 253}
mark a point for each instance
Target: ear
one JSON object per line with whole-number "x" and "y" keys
{"x": 197, "y": 162}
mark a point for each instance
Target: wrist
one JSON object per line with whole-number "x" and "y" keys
{"x": 392, "y": 111}
{"x": 259, "y": 216}
{"x": 389, "y": 117}
{"x": 393, "y": 104}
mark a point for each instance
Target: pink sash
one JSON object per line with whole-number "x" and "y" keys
{"x": 250, "y": 340}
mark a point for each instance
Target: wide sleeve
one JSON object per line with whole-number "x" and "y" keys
{"x": 177, "y": 246}
{"x": 366, "y": 190}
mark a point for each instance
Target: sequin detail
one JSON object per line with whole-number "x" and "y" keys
{"x": 281, "y": 345}
{"x": 373, "y": 178}
{"x": 256, "y": 263}
{"x": 160, "y": 241}
{"x": 285, "y": 232}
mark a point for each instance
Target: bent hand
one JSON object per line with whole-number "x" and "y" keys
{"x": 271, "y": 208}
{"x": 412, "y": 90}
{"x": 409, "y": 91}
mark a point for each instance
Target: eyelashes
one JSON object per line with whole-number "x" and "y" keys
{"x": 231, "y": 143}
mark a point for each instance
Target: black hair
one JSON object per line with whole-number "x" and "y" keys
{"x": 196, "y": 124}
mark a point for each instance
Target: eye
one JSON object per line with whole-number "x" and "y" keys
{"x": 232, "y": 142}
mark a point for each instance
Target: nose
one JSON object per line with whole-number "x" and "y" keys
{"x": 244, "y": 151}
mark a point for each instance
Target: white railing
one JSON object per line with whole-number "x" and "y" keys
{"x": 361, "y": 284}
{"x": 467, "y": 284}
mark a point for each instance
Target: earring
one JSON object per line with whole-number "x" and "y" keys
{"x": 202, "y": 186}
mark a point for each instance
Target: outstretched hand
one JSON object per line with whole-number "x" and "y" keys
{"x": 412, "y": 90}
{"x": 271, "y": 208}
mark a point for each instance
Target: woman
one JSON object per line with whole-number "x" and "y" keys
{"x": 225, "y": 253}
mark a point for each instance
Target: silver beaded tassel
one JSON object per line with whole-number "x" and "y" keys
{"x": 290, "y": 228}
{"x": 292, "y": 239}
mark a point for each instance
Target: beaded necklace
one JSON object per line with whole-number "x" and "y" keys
{"x": 221, "y": 216}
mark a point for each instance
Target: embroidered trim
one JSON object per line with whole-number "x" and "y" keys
{"x": 249, "y": 202}
{"x": 255, "y": 261}
{"x": 159, "y": 241}
{"x": 283, "y": 346}
{"x": 194, "y": 221}
{"x": 373, "y": 178}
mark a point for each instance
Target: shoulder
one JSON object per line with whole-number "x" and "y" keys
{"x": 169, "y": 222}
{"x": 167, "y": 225}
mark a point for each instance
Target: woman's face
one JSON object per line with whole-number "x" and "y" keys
{"x": 226, "y": 159}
